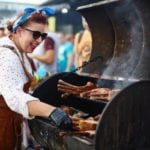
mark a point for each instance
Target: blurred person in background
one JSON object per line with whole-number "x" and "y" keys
{"x": 82, "y": 45}
{"x": 2, "y": 30}
{"x": 45, "y": 56}
{"x": 65, "y": 54}
{"x": 16, "y": 77}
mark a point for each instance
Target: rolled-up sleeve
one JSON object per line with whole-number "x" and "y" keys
{"x": 12, "y": 80}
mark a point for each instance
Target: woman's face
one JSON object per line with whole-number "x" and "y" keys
{"x": 27, "y": 41}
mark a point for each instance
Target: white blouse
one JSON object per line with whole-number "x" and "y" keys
{"x": 13, "y": 78}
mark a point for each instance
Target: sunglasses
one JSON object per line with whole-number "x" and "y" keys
{"x": 36, "y": 34}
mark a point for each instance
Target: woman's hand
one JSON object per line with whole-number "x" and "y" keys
{"x": 60, "y": 119}
{"x": 68, "y": 89}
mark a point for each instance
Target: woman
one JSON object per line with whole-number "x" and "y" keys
{"x": 15, "y": 77}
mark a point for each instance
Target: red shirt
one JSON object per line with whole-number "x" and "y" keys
{"x": 49, "y": 44}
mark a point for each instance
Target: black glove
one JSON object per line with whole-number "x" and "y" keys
{"x": 60, "y": 119}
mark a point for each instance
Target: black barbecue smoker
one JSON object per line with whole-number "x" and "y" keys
{"x": 121, "y": 39}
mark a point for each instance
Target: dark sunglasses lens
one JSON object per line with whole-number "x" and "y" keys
{"x": 36, "y": 35}
{"x": 44, "y": 35}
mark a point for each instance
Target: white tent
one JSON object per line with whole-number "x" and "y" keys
{"x": 32, "y": 2}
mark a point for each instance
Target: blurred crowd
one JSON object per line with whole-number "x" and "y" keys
{"x": 62, "y": 52}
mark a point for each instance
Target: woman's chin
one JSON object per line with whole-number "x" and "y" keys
{"x": 30, "y": 50}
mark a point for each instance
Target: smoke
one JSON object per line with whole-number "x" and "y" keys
{"x": 128, "y": 41}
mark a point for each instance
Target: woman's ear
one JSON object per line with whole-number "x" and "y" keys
{"x": 19, "y": 30}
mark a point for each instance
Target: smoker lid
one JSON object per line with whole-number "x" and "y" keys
{"x": 120, "y": 33}
{"x": 43, "y": 132}
{"x": 125, "y": 121}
